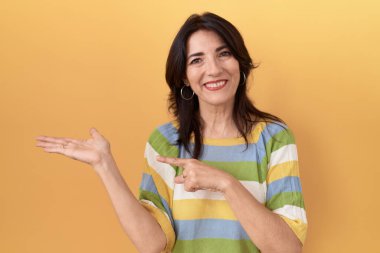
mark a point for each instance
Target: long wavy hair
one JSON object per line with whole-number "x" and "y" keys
{"x": 186, "y": 112}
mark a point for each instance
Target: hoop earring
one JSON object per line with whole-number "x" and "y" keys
{"x": 245, "y": 79}
{"x": 185, "y": 97}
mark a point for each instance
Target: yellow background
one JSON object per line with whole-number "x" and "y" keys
{"x": 66, "y": 66}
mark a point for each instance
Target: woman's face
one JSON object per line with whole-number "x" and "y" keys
{"x": 211, "y": 70}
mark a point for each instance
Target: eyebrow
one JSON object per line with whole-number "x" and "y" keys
{"x": 201, "y": 53}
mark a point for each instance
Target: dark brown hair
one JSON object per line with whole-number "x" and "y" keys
{"x": 245, "y": 114}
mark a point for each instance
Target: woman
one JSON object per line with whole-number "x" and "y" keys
{"x": 224, "y": 176}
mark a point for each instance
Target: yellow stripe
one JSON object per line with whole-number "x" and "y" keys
{"x": 190, "y": 209}
{"x": 162, "y": 188}
{"x": 252, "y": 138}
{"x": 226, "y": 141}
{"x": 298, "y": 227}
{"x": 283, "y": 170}
{"x": 165, "y": 224}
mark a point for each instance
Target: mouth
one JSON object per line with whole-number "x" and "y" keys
{"x": 215, "y": 85}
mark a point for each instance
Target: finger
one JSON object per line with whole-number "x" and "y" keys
{"x": 56, "y": 140}
{"x": 179, "y": 179}
{"x": 56, "y": 149}
{"x": 95, "y": 134}
{"x": 55, "y": 145}
{"x": 75, "y": 141}
{"x": 41, "y": 142}
{"x": 67, "y": 145}
{"x": 48, "y": 144}
{"x": 190, "y": 188}
{"x": 172, "y": 160}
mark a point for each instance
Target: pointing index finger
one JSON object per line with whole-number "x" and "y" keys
{"x": 171, "y": 160}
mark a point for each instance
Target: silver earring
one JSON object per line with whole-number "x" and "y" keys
{"x": 185, "y": 97}
{"x": 245, "y": 79}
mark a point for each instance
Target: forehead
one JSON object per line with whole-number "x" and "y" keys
{"x": 203, "y": 40}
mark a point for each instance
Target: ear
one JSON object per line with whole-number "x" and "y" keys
{"x": 186, "y": 82}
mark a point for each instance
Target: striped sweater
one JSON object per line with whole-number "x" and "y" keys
{"x": 202, "y": 221}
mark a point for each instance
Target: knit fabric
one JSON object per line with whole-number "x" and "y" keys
{"x": 203, "y": 221}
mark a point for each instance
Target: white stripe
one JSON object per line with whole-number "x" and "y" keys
{"x": 292, "y": 212}
{"x": 259, "y": 191}
{"x": 166, "y": 171}
{"x": 284, "y": 154}
{"x": 152, "y": 204}
{"x": 256, "y": 189}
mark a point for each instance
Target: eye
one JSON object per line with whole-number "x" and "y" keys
{"x": 225, "y": 53}
{"x": 195, "y": 61}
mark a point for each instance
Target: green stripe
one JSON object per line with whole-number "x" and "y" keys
{"x": 164, "y": 148}
{"x": 279, "y": 140}
{"x": 286, "y": 198}
{"x": 210, "y": 245}
{"x": 151, "y": 197}
{"x": 247, "y": 171}
{"x": 161, "y": 145}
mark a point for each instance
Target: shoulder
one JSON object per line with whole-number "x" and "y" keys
{"x": 166, "y": 132}
{"x": 277, "y": 134}
{"x": 163, "y": 139}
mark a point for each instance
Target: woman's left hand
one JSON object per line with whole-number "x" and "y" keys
{"x": 198, "y": 176}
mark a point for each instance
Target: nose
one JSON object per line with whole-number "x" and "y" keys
{"x": 213, "y": 67}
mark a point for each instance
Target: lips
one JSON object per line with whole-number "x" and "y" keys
{"x": 215, "y": 85}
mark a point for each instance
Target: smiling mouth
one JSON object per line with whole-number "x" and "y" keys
{"x": 215, "y": 85}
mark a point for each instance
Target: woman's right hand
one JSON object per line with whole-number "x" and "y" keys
{"x": 92, "y": 151}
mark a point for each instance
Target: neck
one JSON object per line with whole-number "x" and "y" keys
{"x": 218, "y": 121}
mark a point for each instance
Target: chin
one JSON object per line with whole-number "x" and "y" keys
{"x": 218, "y": 102}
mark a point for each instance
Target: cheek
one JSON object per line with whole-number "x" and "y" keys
{"x": 235, "y": 73}
{"x": 191, "y": 74}
{"x": 193, "y": 77}
{"x": 234, "y": 67}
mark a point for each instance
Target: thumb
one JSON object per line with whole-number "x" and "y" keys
{"x": 94, "y": 133}
{"x": 179, "y": 180}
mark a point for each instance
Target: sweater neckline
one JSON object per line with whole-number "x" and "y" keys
{"x": 252, "y": 138}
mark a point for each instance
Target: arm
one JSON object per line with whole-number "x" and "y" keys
{"x": 265, "y": 228}
{"x": 142, "y": 228}
{"x": 280, "y": 225}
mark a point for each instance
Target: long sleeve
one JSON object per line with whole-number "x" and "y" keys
{"x": 156, "y": 188}
{"x": 284, "y": 192}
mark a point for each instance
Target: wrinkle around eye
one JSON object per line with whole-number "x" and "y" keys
{"x": 225, "y": 54}
{"x": 195, "y": 61}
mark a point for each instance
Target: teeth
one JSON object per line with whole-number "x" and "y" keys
{"x": 217, "y": 84}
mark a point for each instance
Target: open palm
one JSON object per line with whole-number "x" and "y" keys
{"x": 89, "y": 151}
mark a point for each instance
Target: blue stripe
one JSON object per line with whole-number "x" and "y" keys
{"x": 169, "y": 132}
{"x": 286, "y": 184}
{"x": 147, "y": 184}
{"x": 209, "y": 228}
{"x": 238, "y": 153}
{"x": 272, "y": 129}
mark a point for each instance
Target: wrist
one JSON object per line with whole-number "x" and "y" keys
{"x": 227, "y": 183}
{"x": 105, "y": 163}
